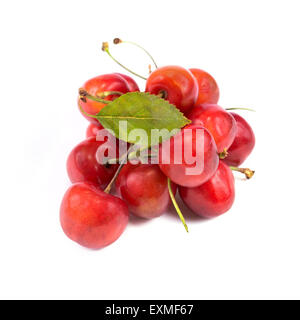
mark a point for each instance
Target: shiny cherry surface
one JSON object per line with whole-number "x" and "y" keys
{"x": 194, "y": 149}
{"x": 91, "y": 217}
{"x": 83, "y": 164}
{"x": 214, "y": 197}
{"x": 97, "y": 85}
{"x": 220, "y": 123}
{"x": 176, "y": 84}
{"x": 93, "y": 129}
{"x": 208, "y": 88}
{"x": 133, "y": 86}
{"x": 243, "y": 143}
{"x": 145, "y": 189}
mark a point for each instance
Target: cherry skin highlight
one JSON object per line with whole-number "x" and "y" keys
{"x": 220, "y": 123}
{"x": 190, "y": 157}
{"x": 93, "y": 129}
{"x": 145, "y": 189}
{"x": 175, "y": 84}
{"x": 98, "y": 85}
{"x": 83, "y": 164}
{"x": 208, "y": 87}
{"x": 212, "y": 198}
{"x": 243, "y": 143}
{"x": 133, "y": 87}
{"x": 91, "y": 217}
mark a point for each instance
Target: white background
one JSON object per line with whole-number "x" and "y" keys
{"x": 48, "y": 49}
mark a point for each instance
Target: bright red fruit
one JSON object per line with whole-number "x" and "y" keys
{"x": 98, "y": 85}
{"x": 176, "y": 84}
{"x": 130, "y": 82}
{"x": 208, "y": 88}
{"x": 145, "y": 189}
{"x": 243, "y": 143}
{"x": 192, "y": 157}
{"x": 91, "y": 217}
{"x": 212, "y": 198}
{"x": 217, "y": 121}
{"x": 84, "y": 165}
{"x": 93, "y": 129}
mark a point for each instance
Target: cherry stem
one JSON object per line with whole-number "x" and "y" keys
{"x": 162, "y": 94}
{"x": 246, "y": 171}
{"x": 176, "y": 205}
{"x": 118, "y": 40}
{"x": 133, "y": 155}
{"x": 105, "y": 48}
{"x": 123, "y": 161}
{"x": 105, "y": 94}
{"x": 109, "y": 186}
{"x": 247, "y": 109}
{"x": 223, "y": 154}
{"x": 83, "y": 95}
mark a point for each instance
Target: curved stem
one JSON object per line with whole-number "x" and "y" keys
{"x": 117, "y": 41}
{"x": 247, "y": 109}
{"x": 176, "y": 205}
{"x": 123, "y": 161}
{"x": 109, "y": 186}
{"x": 246, "y": 171}
{"x": 132, "y": 156}
{"x": 105, "y": 48}
{"x": 85, "y": 95}
{"x": 105, "y": 94}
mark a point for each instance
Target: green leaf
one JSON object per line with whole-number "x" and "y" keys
{"x": 141, "y": 110}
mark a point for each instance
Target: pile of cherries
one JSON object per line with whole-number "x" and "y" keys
{"x": 94, "y": 218}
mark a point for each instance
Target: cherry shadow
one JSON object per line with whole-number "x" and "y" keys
{"x": 188, "y": 214}
{"x": 134, "y": 220}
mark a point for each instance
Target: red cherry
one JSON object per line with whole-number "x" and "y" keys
{"x": 243, "y": 143}
{"x": 93, "y": 129}
{"x": 208, "y": 88}
{"x": 217, "y": 121}
{"x": 212, "y": 198}
{"x": 98, "y": 85}
{"x": 130, "y": 82}
{"x": 176, "y": 84}
{"x": 145, "y": 189}
{"x": 84, "y": 165}
{"x": 188, "y": 151}
{"x": 91, "y": 217}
